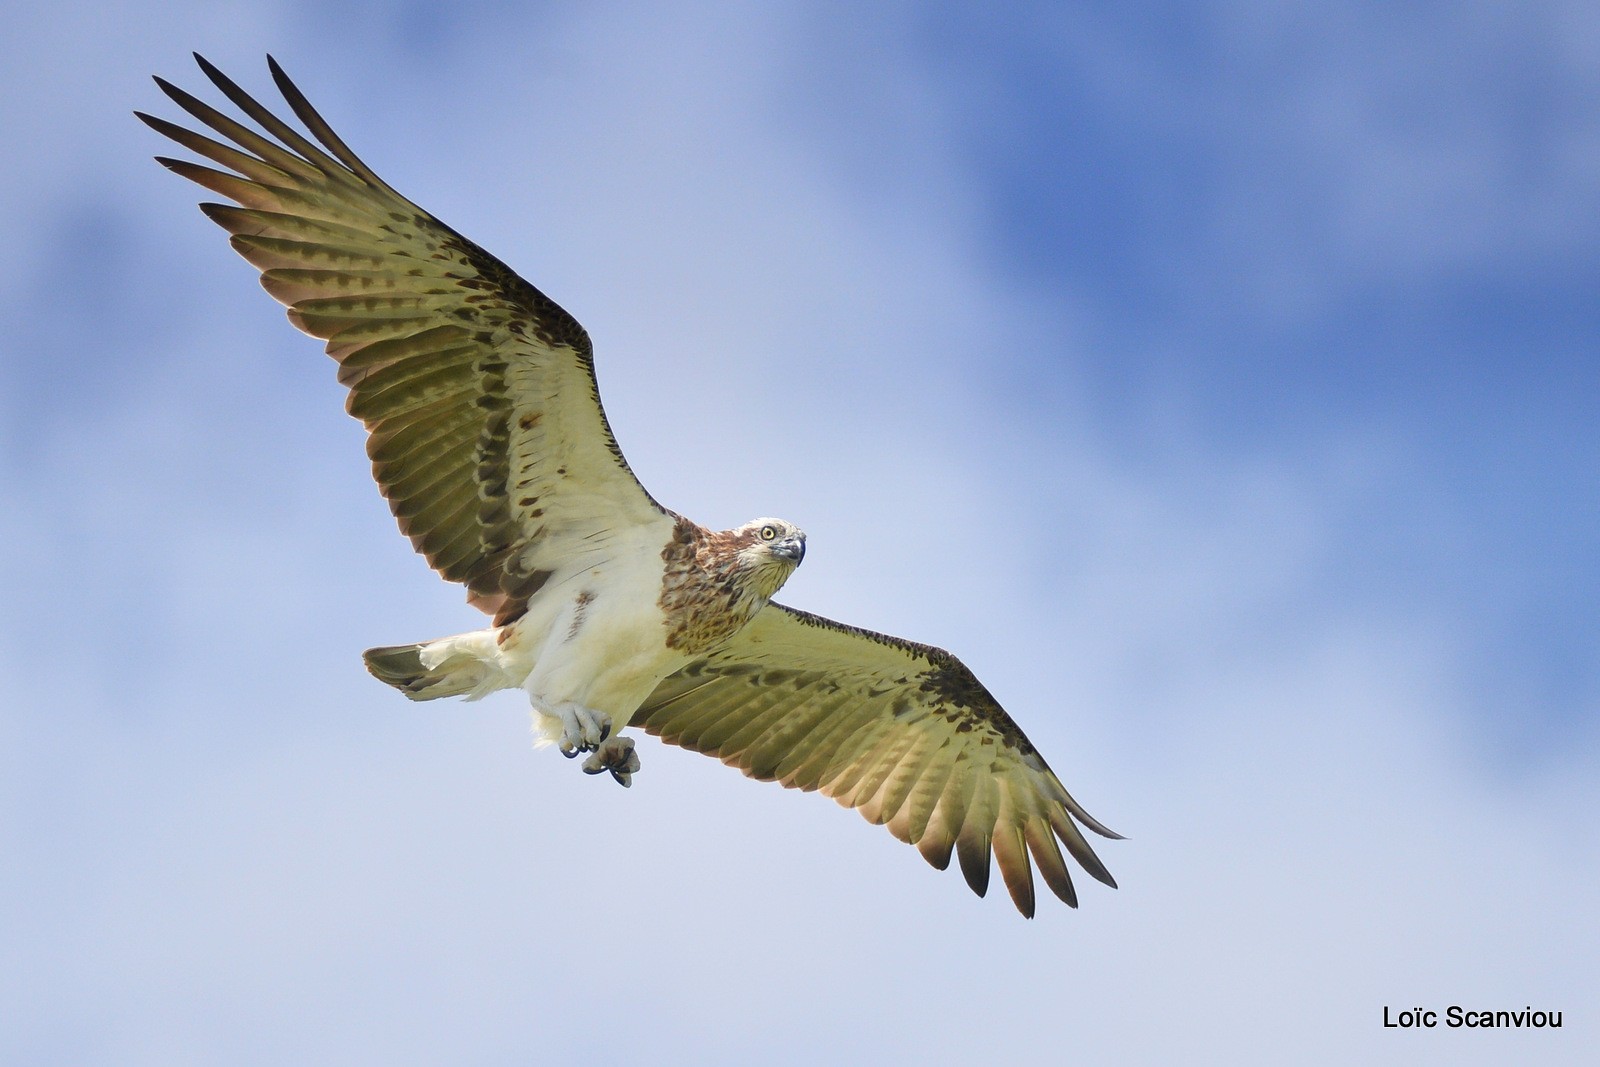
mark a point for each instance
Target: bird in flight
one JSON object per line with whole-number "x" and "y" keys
{"x": 610, "y": 611}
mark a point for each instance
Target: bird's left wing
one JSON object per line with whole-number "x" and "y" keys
{"x": 901, "y": 731}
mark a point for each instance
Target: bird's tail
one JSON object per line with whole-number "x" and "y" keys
{"x": 464, "y": 665}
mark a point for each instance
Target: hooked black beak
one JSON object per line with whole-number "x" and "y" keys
{"x": 790, "y": 548}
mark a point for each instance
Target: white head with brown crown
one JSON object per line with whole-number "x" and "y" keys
{"x": 768, "y": 550}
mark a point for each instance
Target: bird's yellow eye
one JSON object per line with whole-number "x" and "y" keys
{"x": 768, "y": 533}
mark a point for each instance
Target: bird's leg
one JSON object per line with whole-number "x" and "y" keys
{"x": 616, "y": 755}
{"x": 582, "y": 729}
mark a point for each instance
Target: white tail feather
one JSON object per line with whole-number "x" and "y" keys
{"x": 465, "y": 665}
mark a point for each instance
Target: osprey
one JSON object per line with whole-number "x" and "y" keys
{"x": 488, "y": 440}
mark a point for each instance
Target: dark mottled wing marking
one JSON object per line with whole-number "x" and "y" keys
{"x": 478, "y": 392}
{"x": 901, "y": 731}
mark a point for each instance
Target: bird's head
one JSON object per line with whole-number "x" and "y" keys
{"x": 769, "y": 551}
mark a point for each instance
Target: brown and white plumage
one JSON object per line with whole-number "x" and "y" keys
{"x": 488, "y": 439}
{"x": 902, "y": 732}
{"x": 478, "y": 392}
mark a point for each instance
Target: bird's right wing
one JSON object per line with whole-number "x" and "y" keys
{"x": 478, "y": 392}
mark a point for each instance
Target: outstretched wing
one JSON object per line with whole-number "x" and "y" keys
{"x": 478, "y": 392}
{"x": 901, "y": 731}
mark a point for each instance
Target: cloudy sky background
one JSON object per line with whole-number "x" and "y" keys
{"x": 1218, "y": 380}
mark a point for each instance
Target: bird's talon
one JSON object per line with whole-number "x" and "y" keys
{"x": 617, "y": 756}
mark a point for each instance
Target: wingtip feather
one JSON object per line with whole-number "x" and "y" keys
{"x": 1052, "y": 867}
{"x": 211, "y": 70}
{"x": 1012, "y": 853}
{"x": 972, "y": 850}
{"x": 936, "y": 849}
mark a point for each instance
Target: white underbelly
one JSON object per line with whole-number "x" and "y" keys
{"x": 594, "y": 643}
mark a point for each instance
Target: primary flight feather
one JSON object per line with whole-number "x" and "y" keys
{"x": 488, "y": 440}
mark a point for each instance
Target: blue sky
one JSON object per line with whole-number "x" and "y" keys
{"x": 1217, "y": 380}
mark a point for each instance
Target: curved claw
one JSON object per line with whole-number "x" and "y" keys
{"x": 617, "y": 756}
{"x": 570, "y": 753}
{"x": 605, "y": 731}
